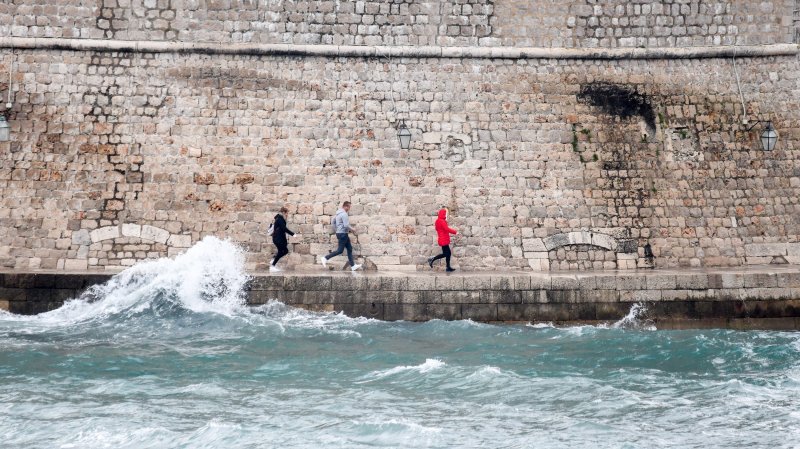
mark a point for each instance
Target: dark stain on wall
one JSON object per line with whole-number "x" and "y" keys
{"x": 619, "y": 100}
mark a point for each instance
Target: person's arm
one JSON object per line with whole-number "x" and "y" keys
{"x": 346, "y": 223}
{"x": 451, "y": 230}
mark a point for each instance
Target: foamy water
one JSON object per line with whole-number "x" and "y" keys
{"x": 166, "y": 355}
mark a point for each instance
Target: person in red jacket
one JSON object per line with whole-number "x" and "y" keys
{"x": 444, "y": 231}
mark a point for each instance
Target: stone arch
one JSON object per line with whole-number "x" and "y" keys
{"x": 538, "y": 251}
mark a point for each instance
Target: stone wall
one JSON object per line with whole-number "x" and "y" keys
{"x": 545, "y": 23}
{"x": 529, "y": 155}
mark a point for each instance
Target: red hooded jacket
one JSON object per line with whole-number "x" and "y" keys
{"x": 443, "y": 229}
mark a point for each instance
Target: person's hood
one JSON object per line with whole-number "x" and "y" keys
{"x": 278, "y": 215}
{"x": 340, "y": 211}
{"x": 443, "y": 214}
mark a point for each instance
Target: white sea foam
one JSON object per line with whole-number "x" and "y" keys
{"x": 285, "y": 317}
{"x": 541, "y": 325}
{"x": 635, "y": 319}
{"x": 487, "y": 372}
{"x": 209, "y": 277}
{"x": 428, "y": 366}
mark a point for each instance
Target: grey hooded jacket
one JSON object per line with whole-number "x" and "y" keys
{"x": 341, "y": 222}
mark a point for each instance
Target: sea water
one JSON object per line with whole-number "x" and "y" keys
{"x": 166, "y": 355}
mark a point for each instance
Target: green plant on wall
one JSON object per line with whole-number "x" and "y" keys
{"x": 574, "y": 139}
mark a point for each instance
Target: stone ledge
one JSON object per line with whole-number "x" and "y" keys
{"x": 368, "y": 51}
{"x": 673, "y": 296}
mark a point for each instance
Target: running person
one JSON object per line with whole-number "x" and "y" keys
{"x": 279, "y": 239}
{"x": 443, "y": 231}
{"x": 342, "y": 228}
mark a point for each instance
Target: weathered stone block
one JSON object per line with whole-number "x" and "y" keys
{"x": 449, "y": 282}
{"x": 104, "y": 233}
{"x": 81, "y": 237}
{"x": 765, "y": 249}
{"x": 478, "y": 282}
{"x": 348, "y": 282}
{"x": 479, "y": 312}
{"x": 564, "y": 283}
{"x": 788, "y": 280}
{"x": 461, "y": 297}
{"x": 393, "y": 283}
{"x": 180, "y": 241}
{"x": 534, "y": 245}
{"x": 502, "y": 282}
{"x": 587, "y": 283}
{"x": 534, "y": 296}
{"x": 692, "y": 281}
{"x": 500, "y": 297}
{"x": 563, "y": 296}
{"x": 131, "y": 230}
{"x": 154, "y": 234}
{"x": 732, "y": 280}
{"x": 634, "y": 282}
{"x": 522, "y": 282}
{"x": 76, "y": 264}
{"x": 556, "y": 241}
{"x": 759, "y": 280}
{"x": 539, "y": 282}
{"x": 421, "y": 283}
{"x": 661, "y": 282}
{"x": 606, "y": 282}
{"x": 639, "y": 295}
{"x": 307, "y": 283}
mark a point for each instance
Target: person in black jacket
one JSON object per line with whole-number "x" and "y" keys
{"x": 279, "y": 232}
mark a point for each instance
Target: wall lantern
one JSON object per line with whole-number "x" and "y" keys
{"x": 5, "y": 130}
{"x": 404, "y": 134}
{"x": 769, "y": 137}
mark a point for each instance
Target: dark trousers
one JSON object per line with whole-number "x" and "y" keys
{"x": 445, "y": 255}
{"x": 344, "y": 244}
{"x": 283, "y": 249}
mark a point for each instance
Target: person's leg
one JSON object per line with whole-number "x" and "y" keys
{"x": 349, "y": 247}
{"x": 446, "y": 252}
{"x": 282, "y": 251}
{"x": 440, "y": 256}
{"x": 340, "y": 249}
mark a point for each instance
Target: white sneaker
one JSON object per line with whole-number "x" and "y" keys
{"x": 355, "y": 267}
{"x": 274, "y": 269}
{"x": 323, "y": 261}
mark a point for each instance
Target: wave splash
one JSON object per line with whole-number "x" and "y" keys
{"x": 207, "y": 278}
{"x": 636, "y": 319}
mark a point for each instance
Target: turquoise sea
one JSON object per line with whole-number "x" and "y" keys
{"x": 166, "y": 356}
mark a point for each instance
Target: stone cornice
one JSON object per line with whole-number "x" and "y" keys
{"x": 353, "y": 51}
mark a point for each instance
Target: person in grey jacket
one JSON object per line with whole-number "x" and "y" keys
{"x": 342, "y": 228}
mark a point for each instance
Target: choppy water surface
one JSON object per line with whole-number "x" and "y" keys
{"x": 168, "y": 357}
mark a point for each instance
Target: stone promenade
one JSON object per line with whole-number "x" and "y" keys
{"x": 763, "y": 297}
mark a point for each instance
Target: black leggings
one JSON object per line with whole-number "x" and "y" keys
{"x": 445, "y": 255}
{"x": 282, "y": 251}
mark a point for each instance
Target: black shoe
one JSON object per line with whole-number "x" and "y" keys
{"x": 430, "y": 262}
{"x": 450, "y": 270}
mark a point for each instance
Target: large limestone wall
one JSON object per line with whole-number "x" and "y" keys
{"x": 547, "y": 23}
{"x": 530, "y": 155}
